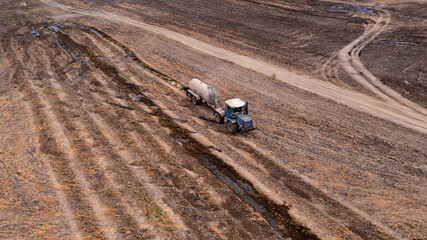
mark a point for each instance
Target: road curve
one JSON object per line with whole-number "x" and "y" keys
{"x": 392, "y": 111}
{"x": 350, "y": 61}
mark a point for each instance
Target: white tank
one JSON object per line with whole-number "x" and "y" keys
{"x": 207, "y": 92}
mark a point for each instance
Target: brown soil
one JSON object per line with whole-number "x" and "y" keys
{"x": 97, "y": 139}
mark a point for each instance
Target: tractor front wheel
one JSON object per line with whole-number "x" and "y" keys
{"x": 232, "y": 127}
{"x": 189, "y": 96}
{"x": 218, "y": 118}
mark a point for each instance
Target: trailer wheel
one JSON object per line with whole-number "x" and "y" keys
{"x": 232, "y": 127}
{"x": 195, "y": 102}
{"x": 189, "y": 96}
{"x": 218, "y": 118}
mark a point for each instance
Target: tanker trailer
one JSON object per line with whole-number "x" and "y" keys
{"x": 199, "y": 91}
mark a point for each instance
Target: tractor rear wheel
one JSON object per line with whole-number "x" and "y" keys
{"x": 218, "y": 118}
{"x": 232, "y": 127}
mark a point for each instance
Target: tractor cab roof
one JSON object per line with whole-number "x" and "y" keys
{"x": 235, "y": 103}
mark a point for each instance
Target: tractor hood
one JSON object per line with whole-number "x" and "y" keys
{"x": 245, "y": 121}
{"x": 243, "y": 118}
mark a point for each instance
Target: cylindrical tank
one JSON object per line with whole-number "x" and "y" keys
{"x": 207, "y": 92}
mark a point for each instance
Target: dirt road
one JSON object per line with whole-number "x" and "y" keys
{"x": 98, "y": 138}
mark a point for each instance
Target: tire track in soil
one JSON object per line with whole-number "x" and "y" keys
{"x": 127, "y": 85}
{"x": 57, "y": 160}
{"x": 91, "y": 132}
{"x": 328, "y": 69}
{"x": 68, "y": 225}
{"x": 93, "y": 180}
{"x": 57, "y": 100}
{"x": 356, "y": 221}
{"x": 96, "y": 133}
{"x": 117, "y": 125}
{"x": 63, "y": 140}
{"x": 119, "y": 109}
{"x": 164, "y": 77}
{"x": 189, "y": 201}
{"x": 134, "y": 89}
{"x": 349, "y": 58}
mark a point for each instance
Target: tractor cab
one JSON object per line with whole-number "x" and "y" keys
{"x": 236, "y": 116}
{"x": 234, "y": 107}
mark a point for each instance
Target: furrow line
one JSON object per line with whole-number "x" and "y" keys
{"x": 59, "y": 161}
{"x": 119, "y": 219}
{"x": 36, "y": 122}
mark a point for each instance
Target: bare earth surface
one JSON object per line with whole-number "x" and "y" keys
{"x": 97, "y": 139}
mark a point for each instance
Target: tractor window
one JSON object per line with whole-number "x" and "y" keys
{"x": 227, "y": 108}
{"x": 238, "y": 110}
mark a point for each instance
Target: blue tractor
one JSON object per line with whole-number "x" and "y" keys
{"x": 235, "y": 116}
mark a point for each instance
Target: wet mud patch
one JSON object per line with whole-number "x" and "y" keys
{"x": 315, "y": 11}
{"x": 34, "y": 32}
{"x": 409, "y": 16}
{"x": 179, "y": 120}
{"x": 244, "y": 190}
{"x": 358, "y": 20}
{"x": 183, "y": 140}
{"x": 351, "y": 8}
{"x": 383, "y": 43}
